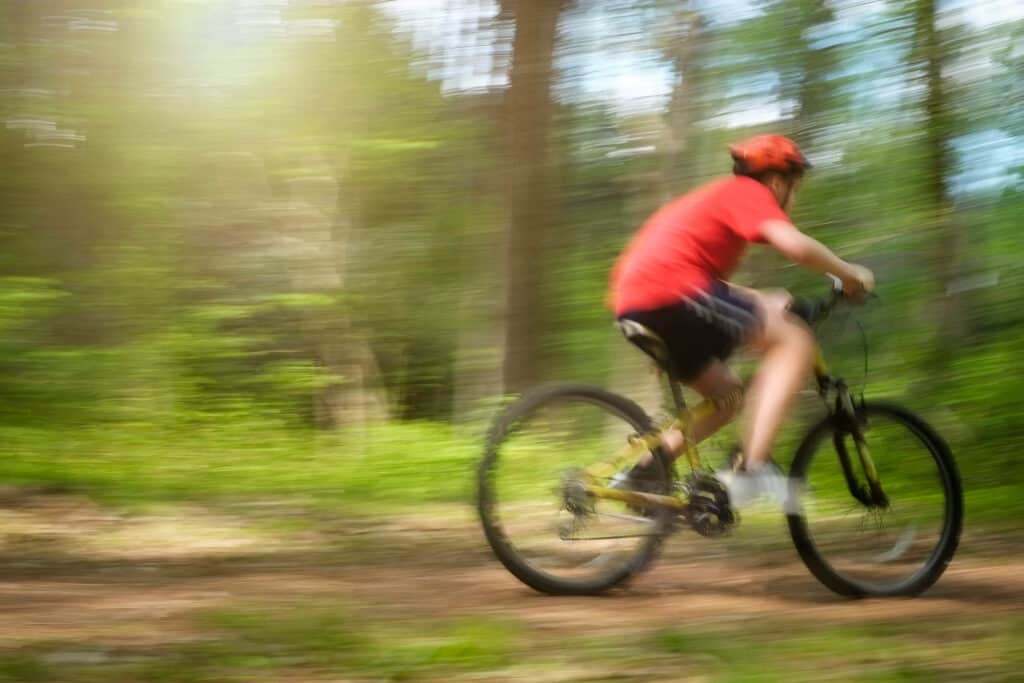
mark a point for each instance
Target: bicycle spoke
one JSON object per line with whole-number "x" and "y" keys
{"x": 860, "y": 549}
{"x": 546, "y": 463}
{"x": 900, "y": 548}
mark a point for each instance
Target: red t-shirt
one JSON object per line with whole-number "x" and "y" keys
{"x": 691, "y": 242}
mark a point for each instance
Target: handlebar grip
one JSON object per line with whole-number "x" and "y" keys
{"x": 812, "y": 311}
{"x": 805, "y": 309}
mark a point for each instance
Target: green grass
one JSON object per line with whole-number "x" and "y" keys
{"x": 891, "y": 651}
{"x": 378, "y": 467}
{"x": 319, "y": 642}
{"x": 23, "y": 668}
{"x": 387, "y": 467}
{"x": 265, "y": 644}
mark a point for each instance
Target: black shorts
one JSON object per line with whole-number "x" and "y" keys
{"x": 703, "y": 327}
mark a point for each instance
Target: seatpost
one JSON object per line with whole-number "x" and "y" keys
{"x": 677, "y": 393}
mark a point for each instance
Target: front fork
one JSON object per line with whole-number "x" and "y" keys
{"x": 849, "y": 423}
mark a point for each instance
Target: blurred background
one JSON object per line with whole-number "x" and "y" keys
{"x": 299, "y": 250}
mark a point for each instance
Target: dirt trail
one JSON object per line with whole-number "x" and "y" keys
{"x": 71, "y": 571}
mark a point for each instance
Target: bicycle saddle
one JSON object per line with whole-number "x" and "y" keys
{"x": 647, "y": 341}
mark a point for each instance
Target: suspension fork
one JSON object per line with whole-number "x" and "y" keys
{"x": 871, "y": 495}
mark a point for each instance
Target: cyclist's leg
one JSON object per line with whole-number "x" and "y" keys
{"x": 719, "y": 384}
{"x": 701, "y": 332}
{"x": 787, "y": 349}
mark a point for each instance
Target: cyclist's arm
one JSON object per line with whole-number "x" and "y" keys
{"x": 806, "y": 251}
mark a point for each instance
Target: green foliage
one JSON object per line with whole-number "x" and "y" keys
{"x": 214, "y": 239}
{"x": 249, "y": 455}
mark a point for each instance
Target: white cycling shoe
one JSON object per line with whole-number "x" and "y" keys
{"x": 763, "y": 482}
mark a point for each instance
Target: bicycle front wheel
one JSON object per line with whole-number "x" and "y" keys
{"x": 897, "y": 547}
{"x": 536, "y": 512}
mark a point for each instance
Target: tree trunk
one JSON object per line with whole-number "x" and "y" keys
{"x": 319, "y": 225}
{"x": 309, "y": 233}
{"x": 682, "y": 45}
{"x": 813, "y": 89}
{"x": 929, "y": 53}
{"x": 528, "y": 121}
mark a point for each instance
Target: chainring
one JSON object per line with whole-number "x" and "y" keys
{"x": 708, "y": 510}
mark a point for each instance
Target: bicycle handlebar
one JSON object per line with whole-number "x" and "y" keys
{"x": 814, "y": 310}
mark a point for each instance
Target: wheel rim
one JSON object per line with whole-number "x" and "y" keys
{"x": 536, "y": 503}
{"x": 879, "y": 549}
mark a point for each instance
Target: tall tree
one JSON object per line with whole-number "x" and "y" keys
{"x": 928, "y": 57}
{"x": 683, "y": 43}
{"x": 808, "y": 82}
{"x": 528, "y": 114}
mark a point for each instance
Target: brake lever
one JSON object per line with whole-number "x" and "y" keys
{"x": 838, "y": 293}
{"x": 837, "y": 284}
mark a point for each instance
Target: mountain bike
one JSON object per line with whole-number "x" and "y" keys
{"x": 875, "y": 505}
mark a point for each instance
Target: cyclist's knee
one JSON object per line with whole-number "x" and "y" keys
{"x": 720, "y": 385}
{"x": 729, "y": 400}
{"x": 776, "y": 301}
{"x": 781, "y": 329}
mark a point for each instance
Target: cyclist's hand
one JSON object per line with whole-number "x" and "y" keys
{"x": 858, "y": 283}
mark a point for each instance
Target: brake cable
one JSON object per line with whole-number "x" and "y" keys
{"x": 864, "y": 341}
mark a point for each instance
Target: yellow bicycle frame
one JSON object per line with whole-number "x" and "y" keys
{"x": 687, "y": 417}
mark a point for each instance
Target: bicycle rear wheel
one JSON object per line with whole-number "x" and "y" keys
{"x": 532, "y": 499}
{"x": 899, "y": 548}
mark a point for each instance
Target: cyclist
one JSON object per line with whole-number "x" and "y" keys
{"x": 672, "y": 279}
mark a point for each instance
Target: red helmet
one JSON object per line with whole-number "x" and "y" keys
{"x": 768, "y": 153}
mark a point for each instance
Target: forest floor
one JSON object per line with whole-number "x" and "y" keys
{"x": 271, "y": 592}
